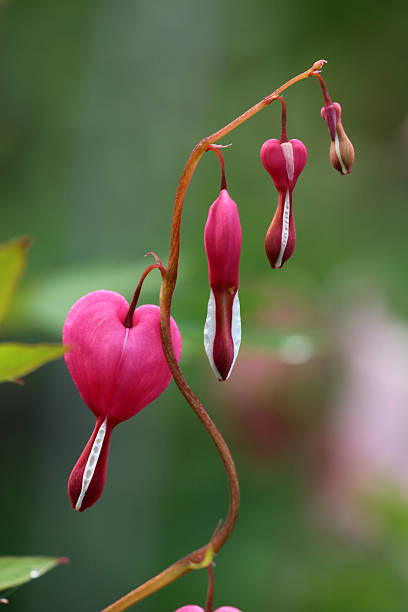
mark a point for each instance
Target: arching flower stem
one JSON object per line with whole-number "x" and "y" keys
{"x": 325, "y": 91}
{"x": 199, "y": 558}
{"x": 284, "y": 134}
{"x": 157, "y": 266}
{"x": 216, "y": 149}
{"x": 210, "y": 591}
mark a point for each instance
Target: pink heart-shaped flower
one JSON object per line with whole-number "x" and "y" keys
{"x": 117, "y": 370}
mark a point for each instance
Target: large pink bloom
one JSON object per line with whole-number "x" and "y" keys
{"x": 222, "y": 241}
{"x": 117, "y": 370}
{"x": 284, "y": 162}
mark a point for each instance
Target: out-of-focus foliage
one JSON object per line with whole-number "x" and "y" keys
{"x": 13, "y": 256}
{"x": 51, "y": 297}
{"x": 15, "y": 571}
{"x": 19, "y": 359}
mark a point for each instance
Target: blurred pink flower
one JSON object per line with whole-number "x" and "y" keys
{"x": 366, "y": 440}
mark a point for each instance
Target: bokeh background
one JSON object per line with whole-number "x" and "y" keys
{"x": 100, "y": 104}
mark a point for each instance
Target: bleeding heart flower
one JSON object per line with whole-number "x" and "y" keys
{"x": 284, "y": 161}
{"x": 341, "y": 149}
{"x": 222, "y": 240}
{"x": 199, "y": 609}
{"x": 118, "y": 370}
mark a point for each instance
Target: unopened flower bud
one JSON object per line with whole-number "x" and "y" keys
{"x": 284, "y": 161}
{"x": 118, "y": 370}
{"x": 341, "y": 149}
{"x": 222, "y": 240}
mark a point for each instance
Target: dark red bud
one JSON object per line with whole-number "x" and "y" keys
{"x": 341, "y": 148}
{"x": 280, "y": 238}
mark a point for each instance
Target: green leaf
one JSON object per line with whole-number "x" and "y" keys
{"x": 19, "y": 359}
{"x": 13, "y": 257}
{"x": 18, "y": 570}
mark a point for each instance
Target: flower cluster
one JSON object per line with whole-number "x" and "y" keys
{"x": 284, "y": 160}
{"x": 122, "y": 358}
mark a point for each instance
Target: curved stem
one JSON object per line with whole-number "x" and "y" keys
{"x": 210, "y": 591}
{"x": 284, "y": 134}
{"x": 223, "y": 534}
{"x": 326, "y": 95}
{"x": 220, "y": 156}
{"x": 198, "y": 151}
{"x": 129, "y": 317}
{"x": 202, "y": 557}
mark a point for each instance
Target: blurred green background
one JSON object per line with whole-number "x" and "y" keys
{"x": 100, "y": 104}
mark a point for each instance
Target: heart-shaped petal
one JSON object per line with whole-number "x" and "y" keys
{"x": 117, "y": 370}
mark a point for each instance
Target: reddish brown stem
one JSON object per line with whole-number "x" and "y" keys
{"x": 326, "y": 95}
{"x": 129, "y": 317}
{"x": 220, "y": 156}
{"x": 284, "y": 135}
{"x": 210, "y": 591}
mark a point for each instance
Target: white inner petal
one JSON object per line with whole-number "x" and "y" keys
{"x": 337, "y": 147}
{"x": 287, "y": 150}
{"x": 285, "y": 230}
{"x": 209, "y": 333}
{"x": 210, "y": 329}
{"x": 235, "y": 329}
{"x": 91, "y": 463}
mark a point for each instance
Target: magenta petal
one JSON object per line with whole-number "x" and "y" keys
{"x": 87, "y": 479}
{"x": 189, "y": 609}
{"x": 117, "y": 370}
{"x": 94, "y": 330}
{"x": 300, "y": 157}
{"x": 274, "y": 162}
{"x": 284, "y": 161}
{"x": 222, "y": 240}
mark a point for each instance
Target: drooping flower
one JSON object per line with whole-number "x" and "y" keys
{"x": 284, "y": 161}
{"x": 118, "y": 370}
{"x": 222, "y": 240}
{"x": 341, "y": 149}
